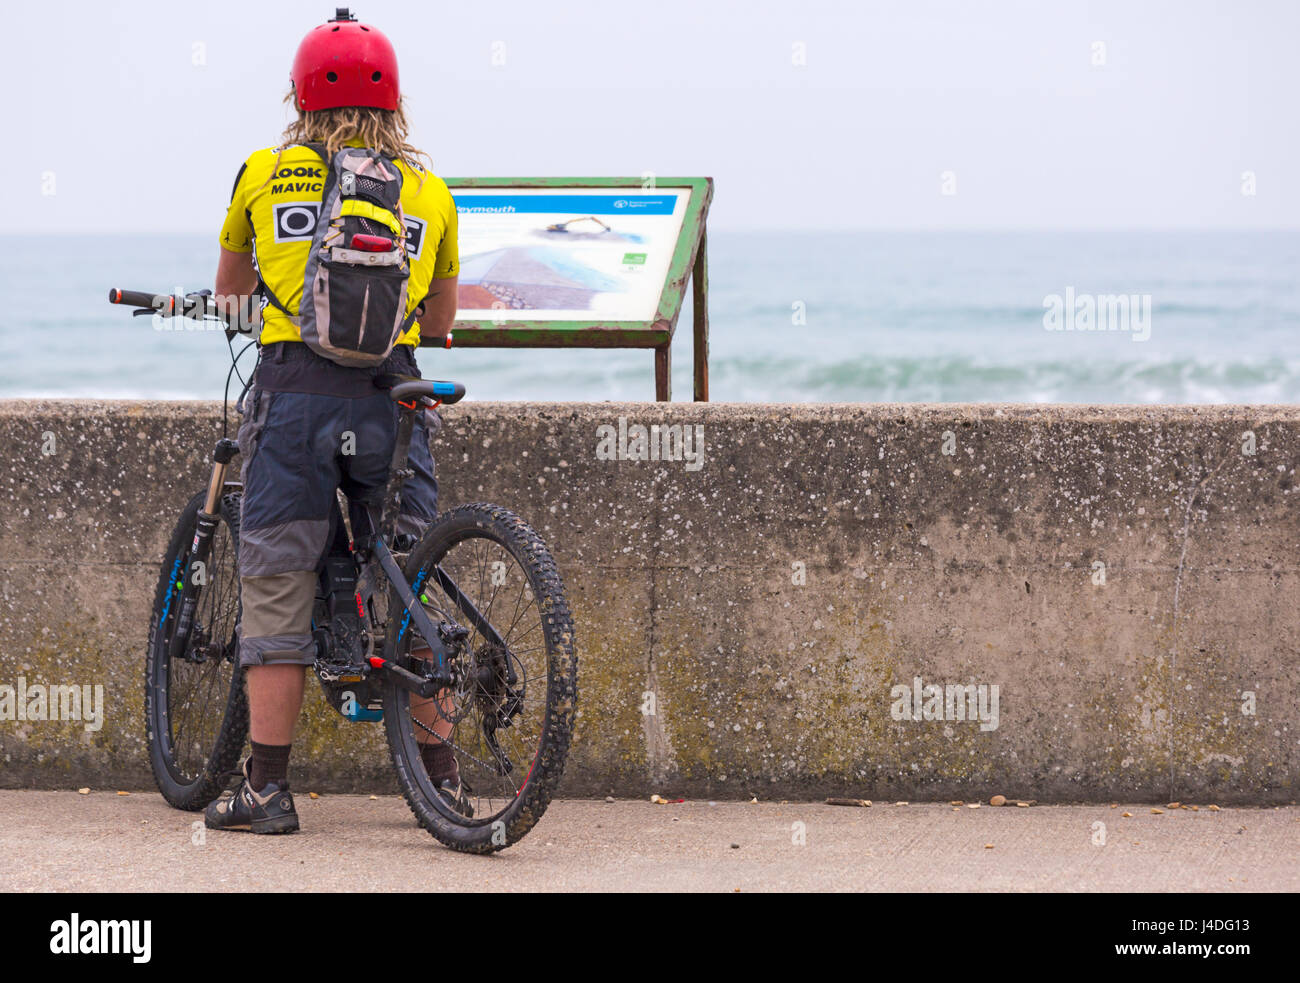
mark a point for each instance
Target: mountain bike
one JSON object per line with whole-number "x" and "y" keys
{"x": 478, "y": 590}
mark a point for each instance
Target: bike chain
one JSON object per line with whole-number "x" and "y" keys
{"x": 454, "y": 746}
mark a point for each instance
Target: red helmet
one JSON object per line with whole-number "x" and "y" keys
{"x": 343, "y": 63}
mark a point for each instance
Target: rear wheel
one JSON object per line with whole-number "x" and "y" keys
{"x": 510, "y": 709}
{"x": 196, "y": 711}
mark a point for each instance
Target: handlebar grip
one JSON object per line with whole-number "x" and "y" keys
{"x": 163, "y": 303}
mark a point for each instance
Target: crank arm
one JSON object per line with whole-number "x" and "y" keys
{"x": 407, "y": 679}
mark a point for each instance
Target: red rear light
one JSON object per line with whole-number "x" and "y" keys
{"x": 371, "y": 244}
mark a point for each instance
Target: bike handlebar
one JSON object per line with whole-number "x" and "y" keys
{"x": 166, "y": 304}
{"x": 132, "y": 298}
{"x": 203, "y": 304}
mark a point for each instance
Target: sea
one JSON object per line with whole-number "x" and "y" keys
{"x": 1198, "y": 316}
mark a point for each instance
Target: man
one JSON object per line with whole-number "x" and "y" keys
{"x": 312, "y": 426}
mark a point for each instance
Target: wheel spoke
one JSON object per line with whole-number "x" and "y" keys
{"x": 532, "y": 646}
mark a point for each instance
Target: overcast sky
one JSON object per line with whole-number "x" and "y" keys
{"x": 134, "y": 117}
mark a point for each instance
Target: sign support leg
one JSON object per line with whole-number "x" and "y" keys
{"x": 700, "y": 315}
{"x": 664, "y": 372}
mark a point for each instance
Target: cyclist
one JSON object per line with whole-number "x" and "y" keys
{"x": 310, "y": 425}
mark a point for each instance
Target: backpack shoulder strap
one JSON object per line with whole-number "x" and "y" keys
{"x": 410, "y": 318}
{"x": 271, "y": 298}
{"x": 319, "y": 150}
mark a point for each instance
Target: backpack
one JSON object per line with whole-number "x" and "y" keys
{"x": 353, "y": 306}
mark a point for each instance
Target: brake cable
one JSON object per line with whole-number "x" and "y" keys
{"x": 234, "y": 370}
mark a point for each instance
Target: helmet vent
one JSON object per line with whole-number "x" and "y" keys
{"x": 376, "y": 76}
{"x": 331, "y": 76}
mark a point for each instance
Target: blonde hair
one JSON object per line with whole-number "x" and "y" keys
{"x": 384, "y": 130}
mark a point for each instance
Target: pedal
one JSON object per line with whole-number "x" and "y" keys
{"x": 329, "y": 672}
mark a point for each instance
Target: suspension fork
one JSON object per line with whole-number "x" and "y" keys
{"x": 204, "y": 526}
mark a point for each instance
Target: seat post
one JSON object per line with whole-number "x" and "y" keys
{"x": 399, "y": 470}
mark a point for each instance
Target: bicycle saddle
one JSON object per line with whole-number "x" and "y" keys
{"x": 406, "y": 388}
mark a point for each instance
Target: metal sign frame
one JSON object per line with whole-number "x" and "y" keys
{"x": 689, "y": 262}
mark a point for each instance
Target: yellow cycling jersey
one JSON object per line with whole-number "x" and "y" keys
{"x": 273, "y": 211}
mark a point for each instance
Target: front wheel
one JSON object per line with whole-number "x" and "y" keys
{"x": 486, "y": 576}
{"x": 196, "y": 711}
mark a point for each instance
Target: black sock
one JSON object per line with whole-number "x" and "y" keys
{"x": 270, "y": 764}
{"x": 439, "y": 761}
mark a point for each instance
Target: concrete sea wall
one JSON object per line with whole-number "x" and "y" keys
{"x": 1118, "y": 586}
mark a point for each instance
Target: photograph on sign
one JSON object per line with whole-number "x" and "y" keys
{"x": 567, "y": 254}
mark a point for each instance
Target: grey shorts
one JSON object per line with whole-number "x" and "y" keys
{"x": 298, "y": 450}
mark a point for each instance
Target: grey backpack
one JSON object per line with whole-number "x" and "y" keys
{"x": 353, "y": 306}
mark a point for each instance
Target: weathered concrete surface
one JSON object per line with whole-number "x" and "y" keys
{"x": 105, "y": 842}
{"x": 971, "y": 567}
